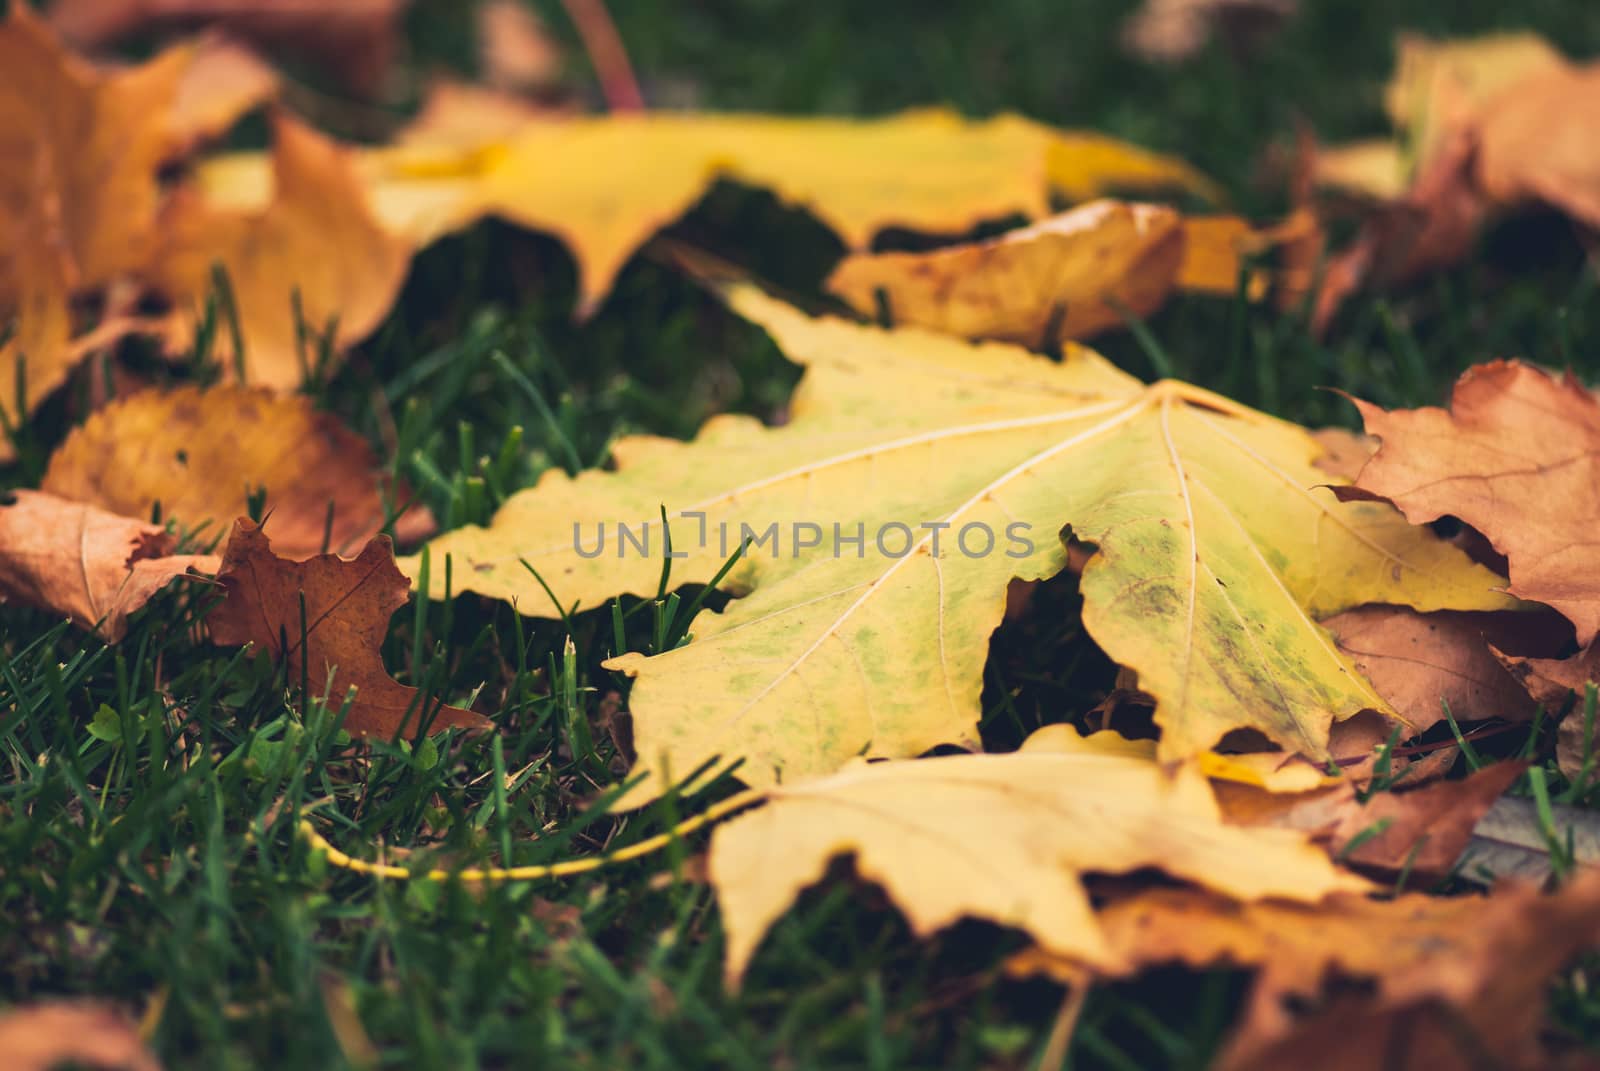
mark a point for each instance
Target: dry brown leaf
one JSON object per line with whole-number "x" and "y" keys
{"x": 355, "y": 39}
{"x": 1434, "y": 225}
{"x": 318, "y": 238}
{"x": 1480, "y": 1001}
{"x": 49, "y": 1034}
{"x": 1516, "y": 458}
{"x": 1465, "y": 954}
{"x": 84, "y": 563}
{"x": 1416, "y": 661}
{"x": 346, "y": 605}
{"x": 200, "y": 454}
{"x": 1422, "y": 832}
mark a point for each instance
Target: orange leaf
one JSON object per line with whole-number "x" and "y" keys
{"x": 83, "y": 1033}
{"x": 84, "y": 563}
{"x": 1515, "y": 457}
{"x": 199, "y": 454}
{"x": 317, "y": 238}
{"x": 326, "y": 617}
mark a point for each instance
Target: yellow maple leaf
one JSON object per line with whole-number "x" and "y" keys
{"x": 1003, "y": 838}
{"x": 1217, "y": 546}
{"x": 606, "y": 184}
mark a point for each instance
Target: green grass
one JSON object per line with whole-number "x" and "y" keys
{"x": 150, "y": 791}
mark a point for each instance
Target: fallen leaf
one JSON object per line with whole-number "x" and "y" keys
{"x": 1464, "y": 74}
{"x": 998, "y": 837}
{"x": 80, "y": 148}
{"x": 84, "y": 563}
{"x": 1475, "y": 119}
{"x": 326, "y": 618}
{"x": 1480, "y": 1001}
{"x": 199, "y": 455}
{"x": 50, "y": 1033}
{"x": 1537, "y": 143}
{"x": 221, "y": 82}
{"x": 1069, "y": 276}
{"x": 356, "y": 40}
{"x": 1066, "y": 277}
{"x": 1514, "y": 457}
{"x": 1466, "y": 955}
{"x": 1424, "y": 831}
{"x": 1434, "y": 225}
{"x": 1205, "y": 582}
{"x": 1419, "y": 662}
{"x": 317, "y": 238}
{"x": 1510, "y": 840}
{"x": 604, "y": 185}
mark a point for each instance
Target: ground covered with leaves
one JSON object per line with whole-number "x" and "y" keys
{"x": 471, "y": 579}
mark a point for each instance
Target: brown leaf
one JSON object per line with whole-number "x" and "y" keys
{"x": 318, "y": 238}
{"x": 1418, "y": 661}
{"x": 1425, "y": 830}
{"x": 1476, "y": 962}
{"x": 1478, "y": 1000}
{"x": 1515, "y": 458}
{"x": 84, "y": 563}
{"x": 346, "y": 605}
{"x": 51, "y": 1033}
{"x": 355, "y": 39}
{"x": 1433, "y": 226}
{"x": 200, "y": 453}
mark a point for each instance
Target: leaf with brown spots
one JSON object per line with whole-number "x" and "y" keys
{"x": 199, "y": 455}
{"x": 326, "y": 619}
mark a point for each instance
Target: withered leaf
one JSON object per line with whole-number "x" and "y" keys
{"x": 355, "y": 39}
{"x": 199, "y": 454}
{"x": 1419, "y": 662}
{"x": 52, "y": 1033}
{"x": 1480, "y": 1001}
{"x": 1517, "y": 456}
{"x": 84, "y": 563}
{"x": 317, "y": 241}
{"x": 326, "y": 617}
{"x": 80, "y": 148}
